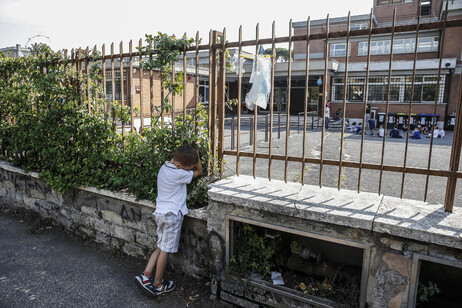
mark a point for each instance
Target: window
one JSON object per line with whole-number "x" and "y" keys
{"x": 383, "y": 2}
{"x": 117, "y": 85}
{"x": 427, "y": 44}
{"x": 395, "y": 1}
{"x": 425, "y": 7}
{"x": 356, "y": 93}
{"x": 203, "y": 91}
{"x": 338, "y": 50}
{"x": 377, "y": 48}
{"x": 404, "y": 46}
{"x": 359, "y": 26}
{"x": 425, "y": 89}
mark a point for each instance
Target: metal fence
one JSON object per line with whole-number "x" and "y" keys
{"x": 217, "y": 75}
{"x": 451, "y": 174}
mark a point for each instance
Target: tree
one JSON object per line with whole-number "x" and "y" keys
{"x": 282, "y": 54}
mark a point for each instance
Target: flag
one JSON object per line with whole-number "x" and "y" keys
{"x": 262, "y": 50}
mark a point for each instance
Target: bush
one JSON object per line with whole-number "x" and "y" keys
{"x": 45, "y": 126}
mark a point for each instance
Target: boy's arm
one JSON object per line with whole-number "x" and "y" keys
{"x": 198, "y": 169}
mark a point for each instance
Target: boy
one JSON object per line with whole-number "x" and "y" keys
{"x": 170, "y": 208}
{"x": 416, "y": 134}
{"x": 371, "y": 123}
{"x": 395, "y": 133}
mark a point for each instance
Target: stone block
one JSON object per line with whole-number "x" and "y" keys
{"x": 90, "y": 221}
{"x": 102, "y": 226}
{"x": 112, "y": 217}
{"x": 102, "y": 238}
{"x": 77, "y": 198}
{"x": 237, "y": 300}
{"x": 66, "y": 223}
{"x": 44, "y": 212}
{"x": 91, "y": 211}
{"x": 123, "y": 233}
{"x": 145, "y": 240}
{"x": 393, "y": 244}
{"x": 37, "y": 188}
{"x": 398, "y": 301}
{"x": 397, "y": 263}
{"x": 133, "y": 250}
{"x": 55, "y": 197}
{"x": 116, "y": 243}
{"x": 138, "y": 225}
{"x": 65, "y": 213}
{"x": 87, "y": 232}
{"x": 19, "y": 182}
{"x": 47, "y": 205}
{"x": 30, "y": 203}
{"x": 233, "y": 286}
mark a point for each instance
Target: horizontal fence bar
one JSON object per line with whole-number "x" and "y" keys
{"x": 349, "y": 164}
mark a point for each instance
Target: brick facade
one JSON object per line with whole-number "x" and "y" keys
{"x": 428, "y": 56}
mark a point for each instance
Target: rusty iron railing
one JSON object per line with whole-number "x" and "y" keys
{"x": 451, "y": 174}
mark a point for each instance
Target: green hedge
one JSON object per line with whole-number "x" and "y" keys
{"x": 45, "y": 127}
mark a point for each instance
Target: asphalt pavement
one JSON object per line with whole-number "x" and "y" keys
{"x": 43, "y": 266}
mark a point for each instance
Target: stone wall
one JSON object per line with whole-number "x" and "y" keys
{"x": 115, "y": 220}
{"x": 392, "y": 233}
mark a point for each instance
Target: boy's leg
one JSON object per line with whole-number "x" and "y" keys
{"x": 143, "y": 281}
{"x": 152, "y": 261}
{"x": 160, "y": 268}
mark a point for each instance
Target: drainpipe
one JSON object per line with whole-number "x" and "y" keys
{"x": 446, "y": 99}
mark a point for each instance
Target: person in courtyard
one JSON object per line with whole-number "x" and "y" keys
{"x": 371, "y": 123}
{"x": 170, "y": 209}
{"x": 327, "y": 116}
{"x": 435, "y": 133}
{"x": 441, "y": 132}
{"x": 381, "y": 132}
{"x": 420, "y": 128}
{"x": 394, "y": 133}
{"x": 338, "y": 114}
{"x": 347, "y": 124}
{"x": 425, "y": 130}
{"x": 359, "y": 128}
{"x": 416, "y": 134}
{"x": 353, "y": 127}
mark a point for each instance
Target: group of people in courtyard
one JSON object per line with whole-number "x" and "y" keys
{"x": 418, "y": 133}
{"x": 357, "y": 128}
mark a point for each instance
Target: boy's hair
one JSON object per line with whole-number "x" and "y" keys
{"x": 186, "y": 155}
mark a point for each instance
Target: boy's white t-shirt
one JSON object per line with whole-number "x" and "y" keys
{"x": 171, "y": 189}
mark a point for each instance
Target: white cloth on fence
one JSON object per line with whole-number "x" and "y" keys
{"x": 235, "y": 65}
{"x": 261, "y": 87}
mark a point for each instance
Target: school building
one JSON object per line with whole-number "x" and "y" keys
{"x": 431, "y": 45}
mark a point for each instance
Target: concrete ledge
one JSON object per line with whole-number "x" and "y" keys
{"x": 328, "y": 205}
{"x": 419, "y": 221}
{"x": 11, "y": 168}
{"x": 409, "y": 219}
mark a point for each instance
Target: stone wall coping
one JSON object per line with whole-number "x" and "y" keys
{"x": 8, "y": 167}
{"x": 200, "y": 213}
{"x": 404, "y": 218}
